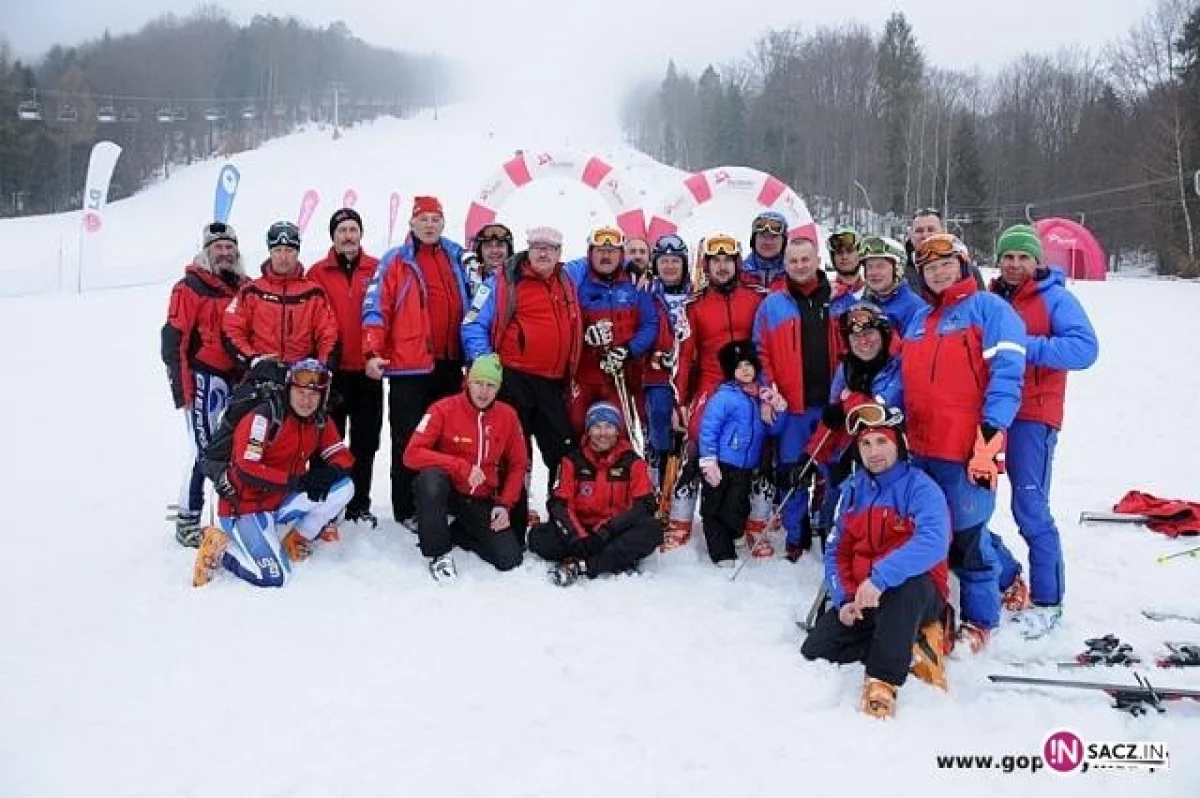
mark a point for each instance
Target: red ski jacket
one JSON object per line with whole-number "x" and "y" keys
{"x": 597, "y": 488}
{"x": 714, "y": 318}
{"x": 454, "y": 435}
{"x": 283, "y": 315}
{"x": 267, "y": 453}
{"x": 395, "y": 319}
{"x": 345, "y": 292}
{"x": 191, "y": 338}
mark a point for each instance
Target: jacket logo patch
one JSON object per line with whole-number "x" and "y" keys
{"x": 586, "y": 489}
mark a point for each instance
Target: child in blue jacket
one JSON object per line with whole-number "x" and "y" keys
{"x": 736, "y": 422}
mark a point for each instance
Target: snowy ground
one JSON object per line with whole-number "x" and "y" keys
{"x": 363, "y": 678}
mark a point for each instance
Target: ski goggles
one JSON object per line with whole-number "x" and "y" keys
{"x": 872, "y": 415}
{"x": 606, "y": 237}
{"x": 939, "y": 246}
{"x": 927, "y": 212}
{"x": 859, "y": 320}
{"x": 843, "y": 242}
{"x": 283, "y": 234}
{"x": 494, "y": 232}
{"x": 768, "y": 225}
{"x": 876, "y": 247}
{"x": 670, "y": 245}
{"x": 314, "y": 378}
{"x": 722, "y": 244}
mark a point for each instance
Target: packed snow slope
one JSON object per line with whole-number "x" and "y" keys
{"x": 364, "y": 678}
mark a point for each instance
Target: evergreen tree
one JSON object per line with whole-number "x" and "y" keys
{"x": 899, "y": 71}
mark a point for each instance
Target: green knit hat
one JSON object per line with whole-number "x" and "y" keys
{"x": 1020, "y": 238}
{"x": 486, "y": 368}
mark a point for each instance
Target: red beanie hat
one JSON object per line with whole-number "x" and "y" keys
{"x": 426, "y": 205}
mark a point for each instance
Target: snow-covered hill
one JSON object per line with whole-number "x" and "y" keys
{"x": 363, "y": 678}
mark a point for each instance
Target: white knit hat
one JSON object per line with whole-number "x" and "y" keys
{"x": 544, "y": 235}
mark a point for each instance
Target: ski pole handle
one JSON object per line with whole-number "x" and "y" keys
{"x": 1192, "y": 552}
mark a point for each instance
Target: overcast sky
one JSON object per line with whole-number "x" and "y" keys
{"x": 592, "y": 49}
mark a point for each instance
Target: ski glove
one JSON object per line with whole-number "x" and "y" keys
{"x": 987, "y": 459}
{"x": 224, "y": 487}
{"x": 802, "y": 473}
{"x": 833, "y": 416}
{"x": 613, "y": 361}
{"x": 316, "y": 483}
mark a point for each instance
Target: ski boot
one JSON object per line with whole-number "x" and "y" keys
{"x": 296, "y": 546}
{"x": 187, "y": 529}
{"x": 362, "y": 515}
{"x": 879, "y": 698}
{"x": 1016, "y": 597}
{"x": 442, "y": 568}
{"x": 208, "y": 555}
{"x": 976, "y": 638}
{"x": 928, "y": 662}
{"x": 330, "y": 532}
{"x": 567, "y": 572}
{"x": 757, "y": 540}
{"x": 1037, "y": 622}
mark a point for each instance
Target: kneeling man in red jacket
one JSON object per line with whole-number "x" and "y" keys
{"x": 602, "y": 511}
{"x": 470, "y": 459}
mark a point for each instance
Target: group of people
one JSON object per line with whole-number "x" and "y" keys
{"x": 873, "y": 411}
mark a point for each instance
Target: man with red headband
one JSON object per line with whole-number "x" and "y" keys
{"x": 885, "y": 566}
{"x": 412, "y": 313}
{"x": 963, "y": 365}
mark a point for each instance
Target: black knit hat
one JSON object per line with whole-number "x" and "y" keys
{"x": 344, "y": 215}
{"x": 735, "y": 352}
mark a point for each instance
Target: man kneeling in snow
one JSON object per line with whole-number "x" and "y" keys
{"x": 602, "y": 511}
{"x": 886, "y": 566}
{"x": 269, "y": 481}
{"x": 470, "y": 460}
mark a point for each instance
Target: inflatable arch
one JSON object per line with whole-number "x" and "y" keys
{"x": 593, "y": 172}
{"x": 768, "y": 191}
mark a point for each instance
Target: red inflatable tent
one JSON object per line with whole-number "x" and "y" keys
{"x": 1071, "y": 247}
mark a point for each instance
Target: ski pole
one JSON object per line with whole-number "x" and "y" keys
{"x": 1194, "y": 551}
{"x": 800, "y": 477}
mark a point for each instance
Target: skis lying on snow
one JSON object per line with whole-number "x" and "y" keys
{"x": 1109, "y": 650}
{"x": 1170, "y": 615}
{"x": 1094, "y": 517}
{"x": 1135, "y": 699}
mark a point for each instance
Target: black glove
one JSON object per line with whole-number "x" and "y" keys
{"x": 224, "y": 487}
{"x": 269, "y": 369}
{"x": 317, "y": 482}
{"x": 833, "y": 416}
{"x": 592, "y": 544}
{"x": 802, "y": 473}
{"x": 988, "y": 431}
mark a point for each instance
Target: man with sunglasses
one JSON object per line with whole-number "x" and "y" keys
{"x": 284, "y": 466}
{"x": 344, "y": 274}
{"x": 797, "y": 343}
{"x": 1060, "y": 339}
{"x": 282, "y": 316}
{"x": 843, "y": 252}
{"x": 882, "y": 260}
{"x": 768, "y": 235}
{"x": 201, "y": 372}
{"x": 412, "y": 313}
{"x": 885, "y": 566}
{"x": 963, "y": 366}
{"x": 493, "y": 245}
{"x": 531, "y": 318}
{"x": 620, "y": 325}
{"x": 670, "y": 290}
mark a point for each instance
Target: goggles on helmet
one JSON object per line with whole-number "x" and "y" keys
{"x": 722, "y": 244}
{"x": 606, "y": 237}
{"x": 768, "y": 225}
{"x": 871, "y": 415}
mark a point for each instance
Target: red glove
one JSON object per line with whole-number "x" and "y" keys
{"x": 987, "y": 460}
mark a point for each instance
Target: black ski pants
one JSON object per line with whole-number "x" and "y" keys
{"x": 357, "y": 401}
{"x": 622, "y": 552}
{"x": 408, "y": 399}
{"x": 471, "y": 528}
{"x": 724, "y": 510}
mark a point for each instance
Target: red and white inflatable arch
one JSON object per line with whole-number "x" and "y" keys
{"x": 527, "y": 167}
{"x": 768, "y": 191}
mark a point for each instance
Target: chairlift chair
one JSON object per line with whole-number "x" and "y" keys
{"x": 106, "y": 113}
{"x": 67, "y": 113}
{"x": 131, "y": 116}
{"x": 179, "y": 114}
{"x": 214, "y": 114}
{"x": 165, "y": 115}
{"x": 248, "y": 112}
{"x": 29, "y": 111}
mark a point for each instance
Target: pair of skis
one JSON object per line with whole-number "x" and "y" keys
{"x": 1095, "y": 517}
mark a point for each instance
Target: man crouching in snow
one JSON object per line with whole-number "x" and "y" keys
{"x": 602, "y": 511}
{"x": 470, "y": 460}
{"x": 270, "y": 482}
{"x": 886, "y": 566}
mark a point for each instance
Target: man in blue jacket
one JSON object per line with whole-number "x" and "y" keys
{"x": 768, "y": 236}
{"x": 1059, "y": 339}
{"x": 885, "y": 566}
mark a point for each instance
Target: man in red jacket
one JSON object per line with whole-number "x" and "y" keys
{"x": 470, "y": 460}
{"x": 356, "y": 398}
{"x": 201, "y": 372}
{"x": 602, "y": 511}
{"x": 286, "y": 466}
{"x": 281, "y": 315}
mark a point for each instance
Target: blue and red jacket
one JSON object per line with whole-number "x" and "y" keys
{"x": 672, "y": 324}
{"x": 631, "y": 312}
{"x": 963, "y": 364}
{"x": 765, "y": 273}
{"x": 1060, "y": 339}
{"x": 732, "y": 429}
{"x": 446, "y": 286}
{"x": 714, "y": 318}
{"x": 534, "y": 324}
{"x": 899, "y": 306}
{"x": 887, "y": 388}
{"x": 779, "y": 340}
{"x": 890, "y": 528}
{"x": 395, "y": 317}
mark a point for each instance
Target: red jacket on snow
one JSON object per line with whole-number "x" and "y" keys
{"x": 543, "y": 334}
{"x": 455, "y": 435}
{"x": 395, "y": 320}
{"x": 596, "y": 488}
{"x": 283, "y": 315}
{"x": 264, "y": 458}
{"x": 192, "y": 335}
{"x": 345, "y": 292}
{"x": 714, "y": 319}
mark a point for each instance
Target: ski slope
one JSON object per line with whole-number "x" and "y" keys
{"x": 364, "y": 678}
